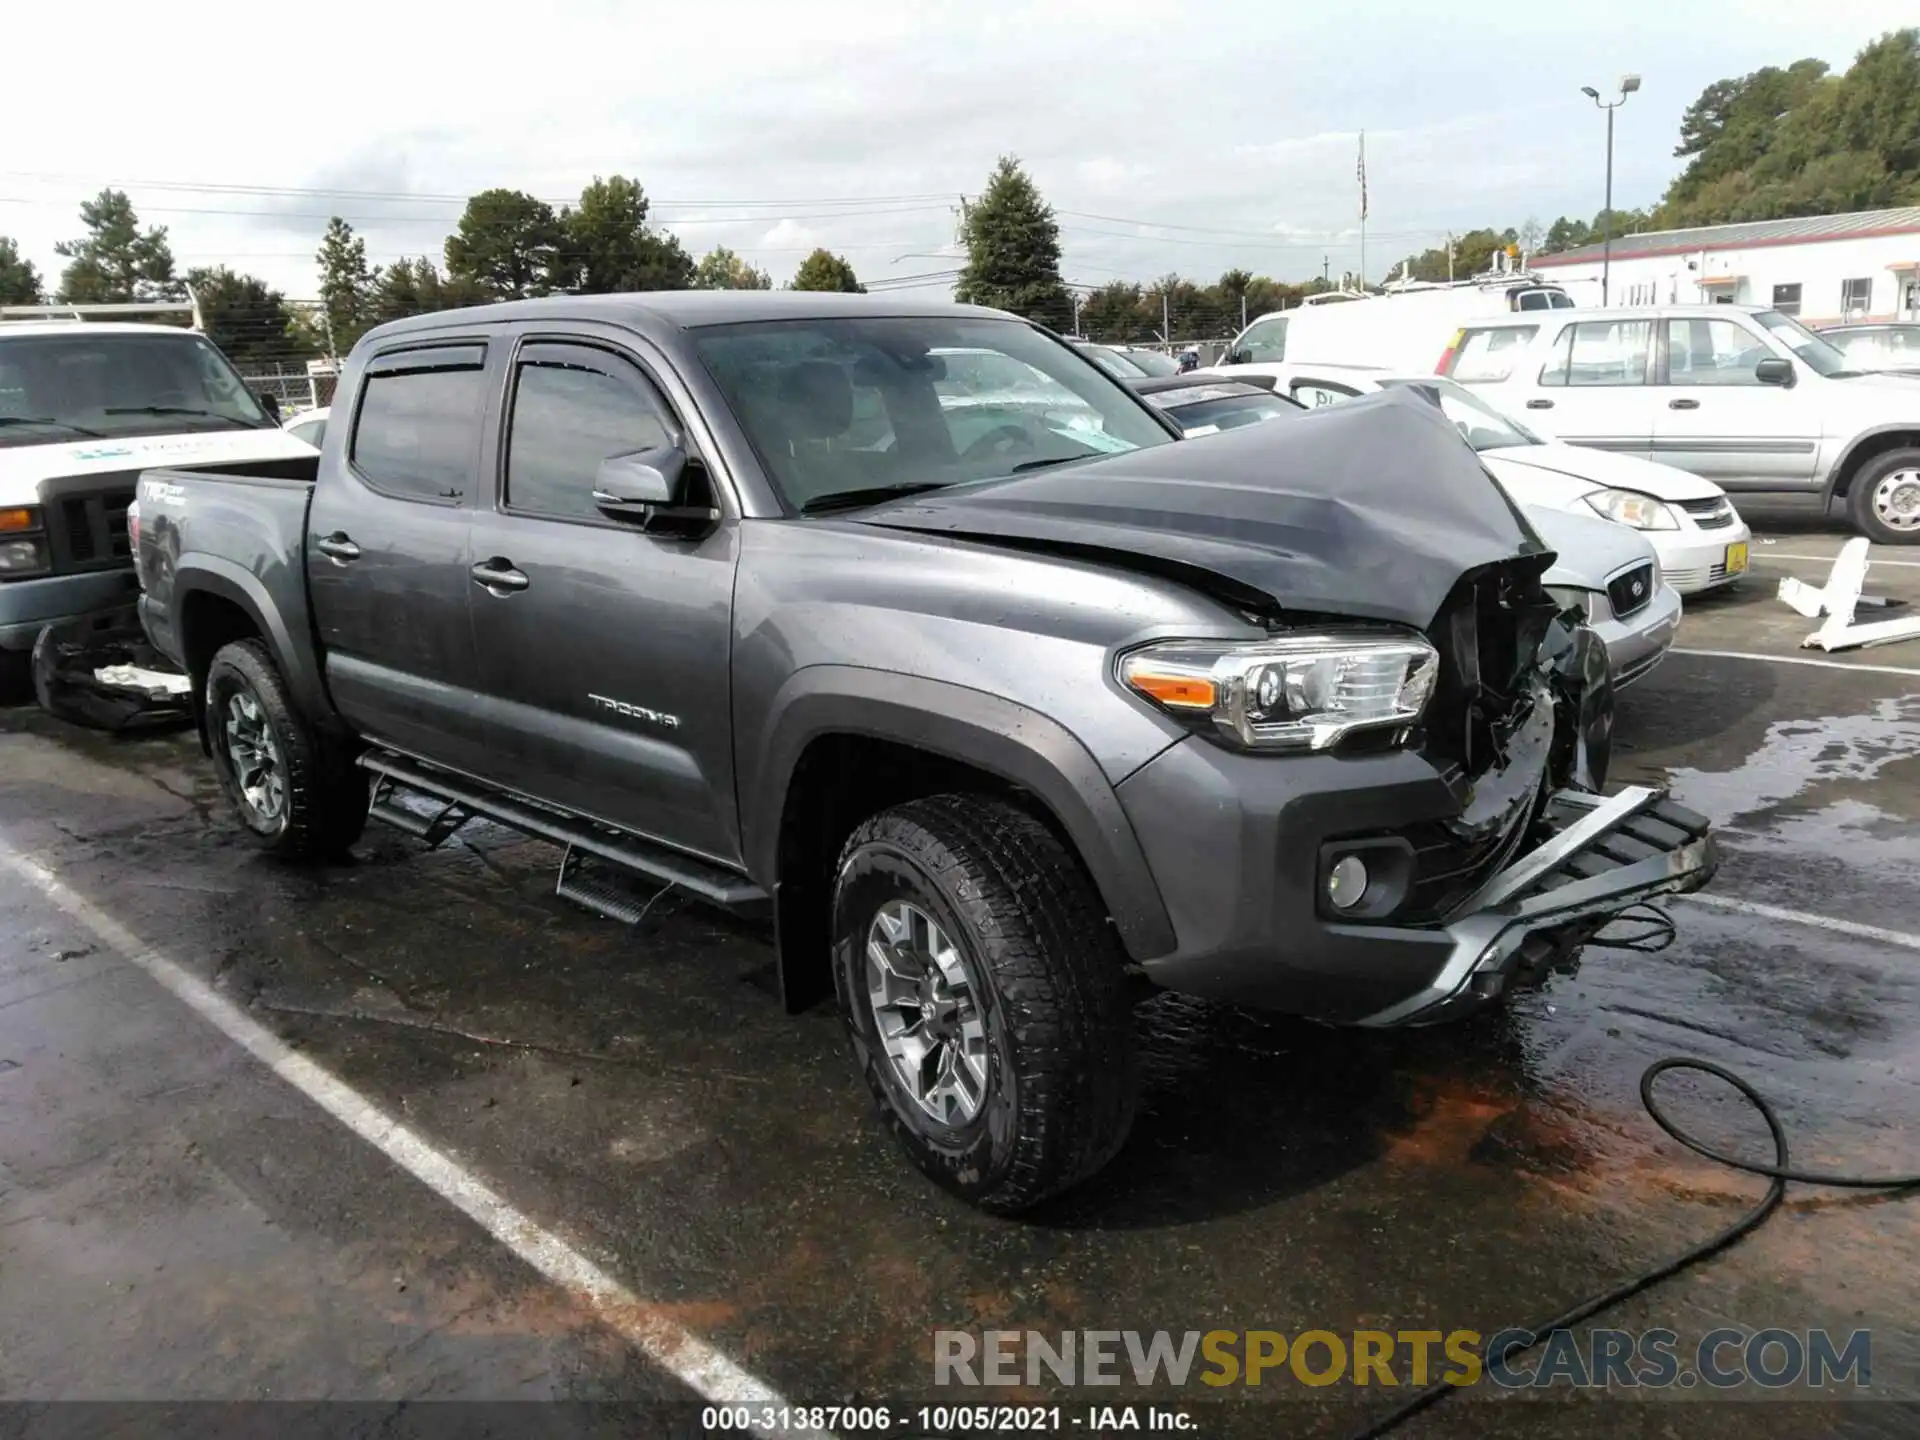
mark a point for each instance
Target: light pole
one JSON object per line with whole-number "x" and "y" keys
{"x": 1628, "y": 84}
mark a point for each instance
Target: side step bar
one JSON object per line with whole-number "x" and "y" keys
{"x": 462, "y": 800}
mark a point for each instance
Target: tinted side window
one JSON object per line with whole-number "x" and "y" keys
{"x": 572, "y": 408}
{"x": 1600, "y": 352}
{"x": 416, "y": 432}
{"x": 1488, "y": 355}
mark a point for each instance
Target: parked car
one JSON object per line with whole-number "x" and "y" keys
{"x": 1876, "y": 347}
{"x": 84, "y": 406}
{"x": 1747, "y": 398}
{"x": 1605, "y": 571}
{"x": 995, "y": 733}
{"x": 309, "y": 425}
{"x": 1700, "y": 538}
{"x": 1128, "y": 362}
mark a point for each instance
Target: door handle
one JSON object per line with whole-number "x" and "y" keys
{"x": 1683, "y": 404}
{"x": 338, "y": 548}
{"x": 499, "y": 576}
{"x": 1539, "y": 404}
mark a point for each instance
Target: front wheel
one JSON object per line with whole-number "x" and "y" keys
{"x": 292, "y": 789}
{"x": 1885, "y": 498}
{"x": 985, "y": 996}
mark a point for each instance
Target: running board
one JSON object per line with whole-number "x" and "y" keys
{"x": 463, "y": 800}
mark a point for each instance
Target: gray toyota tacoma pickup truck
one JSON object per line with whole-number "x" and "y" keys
{"x": 1006, "y": 703}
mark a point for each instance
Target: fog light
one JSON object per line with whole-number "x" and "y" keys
{"x": 1346, "y": 882}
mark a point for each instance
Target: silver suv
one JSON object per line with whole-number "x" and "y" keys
{"x": 1748, "y": 398}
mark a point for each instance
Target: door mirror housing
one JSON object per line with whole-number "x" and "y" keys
{"x": 1774, "y": 371}
{"x": 270, "y": 403}
{"x": 663, "y": 488}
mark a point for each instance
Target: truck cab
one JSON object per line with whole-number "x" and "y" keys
{"x": 85, "y": 405}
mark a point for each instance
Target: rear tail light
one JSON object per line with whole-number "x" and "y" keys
{"x": 1450, "y": 354}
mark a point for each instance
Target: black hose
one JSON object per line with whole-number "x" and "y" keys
{"x": 1779, "y": 1172}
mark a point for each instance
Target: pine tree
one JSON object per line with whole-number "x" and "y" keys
{"x": 116, "y": 262}
{"x": 346, "y": 285}
{"x": 1013, "y": 250}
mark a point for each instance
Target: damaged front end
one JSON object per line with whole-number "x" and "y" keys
{"x": 1537, "y": 860}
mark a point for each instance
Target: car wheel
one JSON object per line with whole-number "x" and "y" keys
{"x": 1885, "y": 498}
{"x": 985, "y": 995}
{"x": 293, "y": 791}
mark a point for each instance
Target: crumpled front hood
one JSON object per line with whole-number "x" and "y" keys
{"x": 1371, "y": 509}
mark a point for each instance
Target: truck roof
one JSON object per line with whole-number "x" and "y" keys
{"x": 691, "y": 309}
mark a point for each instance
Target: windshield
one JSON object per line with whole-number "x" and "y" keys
{"x": 1115, "y": 362}
{"x": 1889, "y": 347}
{"x": 1818, "y": 354}
{"x": 839, "y": 407}
{"x": 113, "y": 384}
{"x": 1264, "y": 341}
{"x": 1484, "y": 427}
{"x": 1151, "y": 362}
{"x": 1207, "y": 416}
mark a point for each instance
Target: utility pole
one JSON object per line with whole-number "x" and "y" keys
{"x": 1243, "y": 309}
{"x": 1166, "y": 324}
{"x": 1628, "y": 84}
{"x": 1326, "y": 262}
{"x": 1449, "y": 257}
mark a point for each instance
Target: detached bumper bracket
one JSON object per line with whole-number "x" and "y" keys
{"x": 1607, "y": 854}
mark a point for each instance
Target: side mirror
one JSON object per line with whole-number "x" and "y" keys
{"x": 1234, "y": 357}
{"x": 270, "y": 403}
{"x": 1774, "y": 371}
{"x": 652, "y": 486}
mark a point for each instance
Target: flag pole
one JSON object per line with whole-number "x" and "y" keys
{"x": 1362, "y": 171}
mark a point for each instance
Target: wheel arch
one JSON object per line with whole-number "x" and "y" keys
{"x": 1865, "y": 449}
{"x": 216, "y": 602}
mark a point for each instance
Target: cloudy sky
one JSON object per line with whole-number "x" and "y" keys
{"x": 1170, "y": 138}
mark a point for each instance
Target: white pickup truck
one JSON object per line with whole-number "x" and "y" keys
{"x": 85, "y": 406}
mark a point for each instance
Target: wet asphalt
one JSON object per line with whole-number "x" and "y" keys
{"x": 176, "y": 1223}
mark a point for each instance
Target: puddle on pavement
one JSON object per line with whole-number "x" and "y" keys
{"x": 1798, "y": 755}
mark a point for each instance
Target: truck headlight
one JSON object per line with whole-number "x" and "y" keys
{"x": 1290, "y": 692}
{"x": 1630, "y": 507}
{"x": 20, "y": 558}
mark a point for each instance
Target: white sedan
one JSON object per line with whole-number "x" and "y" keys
{"x": 1700, "y": 538}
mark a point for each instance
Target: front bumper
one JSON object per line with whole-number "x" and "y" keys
{"x": 28, "y": 606}
{"x": 1236, "y": 844}
{"x": 1693, "y": 559}
{"x": 1641, "y": 641}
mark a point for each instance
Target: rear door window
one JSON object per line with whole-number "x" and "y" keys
{"x": 1487, "y": 354}
{"x": 1600, "y": 353}
{"x": 417, "y": 433}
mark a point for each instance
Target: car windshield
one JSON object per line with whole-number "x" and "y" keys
{"x": 1151, "y": 362}
{"x": 1115, "y": 362}
{"x": 109, "y": 384}
{"x": 1819, "y": 354}
{"x": 1484, "y": 427}
{"x": 1886, "y": 347}
{"x": 837, "y": 407}
{"x": 1205, "y": 410}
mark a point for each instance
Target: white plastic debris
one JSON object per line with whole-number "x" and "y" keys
{"x": 154, "y": 684}
{"x": 1838, "y": 599}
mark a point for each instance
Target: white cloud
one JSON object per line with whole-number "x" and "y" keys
{"x": 790, "y": 234}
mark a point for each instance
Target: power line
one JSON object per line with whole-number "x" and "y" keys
{"x": 444, "y": 220}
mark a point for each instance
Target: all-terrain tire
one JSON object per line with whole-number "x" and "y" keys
{"x": 1047, "y": 970}
{"x": 322, "y": 805}
{"x": 1899, "y": 472}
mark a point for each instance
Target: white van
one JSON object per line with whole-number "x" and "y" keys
{"x": 85, "y": 406}
{"x": 1402, "y": 328}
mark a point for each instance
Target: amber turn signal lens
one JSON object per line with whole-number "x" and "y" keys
{"x": 1186, "y": 691}
{"x": 12, "y": 521}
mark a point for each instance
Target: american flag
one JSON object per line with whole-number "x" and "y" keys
{"x": 1361, "y": 173}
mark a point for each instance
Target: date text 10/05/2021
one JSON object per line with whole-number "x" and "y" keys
{"x": 787, "y": 1420}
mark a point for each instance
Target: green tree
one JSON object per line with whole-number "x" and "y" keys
{"x": 608, "y": 246}
{"x": 19, "y": 281}
{"x": 824, "y": 270}
{"x": 412, "y": 286}
{"x": 116, "y": 261}
{"x": 721, "y": 269}
{"x": 508, "y": 246}
{"x": 1115, "y": 314}
{"x": 1013, "y": 250}
{"x": 246, "y": 318}
{"x": 346, "y": 285}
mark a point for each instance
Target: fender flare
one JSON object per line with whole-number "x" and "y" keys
{"x": 196, "y": 574}
{"x": 1021, "y": 746}
{"x": 1840, "y": 467}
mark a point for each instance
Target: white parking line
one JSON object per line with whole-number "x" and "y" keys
{"x": 1872, "y": 559}
{"x": 1802, "y": 917}
{"x": 668, "y": 1345}
{"x": 1798, "y": 660}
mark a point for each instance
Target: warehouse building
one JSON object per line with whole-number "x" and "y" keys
{"x": 1824, "y": 268}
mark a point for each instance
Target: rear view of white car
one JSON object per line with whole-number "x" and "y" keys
{"x": 1701, "y": 540}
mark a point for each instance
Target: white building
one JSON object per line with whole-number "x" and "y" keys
{"x": 1824, "y": 269}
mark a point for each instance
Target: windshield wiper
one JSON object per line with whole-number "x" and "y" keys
{"x": 873, "y": 495}
{"x": 49, "y": 420}
{"x": 171, "y": 410}
{"x": 1026, "y": 465}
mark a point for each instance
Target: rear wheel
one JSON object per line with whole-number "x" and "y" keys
{"x": 1885, "y": 498}
{"x": 292, "y": 788}
{"x": 985, "y": 995}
